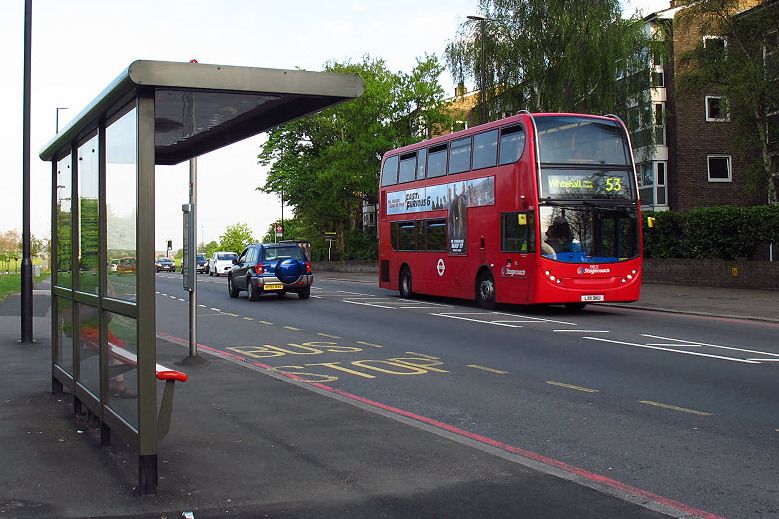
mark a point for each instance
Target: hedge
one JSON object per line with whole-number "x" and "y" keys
{"x": 711, "y": 232}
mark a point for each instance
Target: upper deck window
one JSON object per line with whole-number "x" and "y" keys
{"x": 436, "y": 161}
{"x": 408, "y": 167}
{"x": 460, "y": 156}
{"x": 485, "y": 149}
{"x": 389, "y": 173}
{"x": 512, "y": 142}
{"x": 580, "y": 140}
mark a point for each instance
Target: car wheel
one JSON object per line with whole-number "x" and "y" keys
{"x": 305, "y": 293}
{"x": 405, "y": 284}
{"x": 210, "y": 273}
{"x": 254, "y": 292}
{"x": 230, "y": 288}
{"x": 485, "y": 291}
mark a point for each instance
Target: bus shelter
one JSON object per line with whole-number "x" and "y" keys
{"x": 102, "y": 213}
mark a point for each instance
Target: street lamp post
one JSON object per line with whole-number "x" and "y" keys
{"x": 483, "y": 76}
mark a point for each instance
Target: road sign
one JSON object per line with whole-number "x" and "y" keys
{"x": 279, "y": 230}
{"x": 329, "y": 236}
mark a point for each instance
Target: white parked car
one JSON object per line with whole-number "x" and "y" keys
{"x": 221, "y": 262}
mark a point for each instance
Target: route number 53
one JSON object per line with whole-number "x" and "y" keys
{"x": 613, "y": 184}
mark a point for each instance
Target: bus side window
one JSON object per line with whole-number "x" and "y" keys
{"x": 421, "y": 163}
{"x": 408, "y": 167}
{"x": 485, "y": 149}
{"x": 436, "y": 161}
{"x": 518, "y": 232}
{"x": 389, "y": 173}
{"x": 460, "y": 156}
{"x": 407, "y": 236}
{"x": 394, "y": 235}
{"x": 512, "y": 142}
{"x": 436, "y": 234}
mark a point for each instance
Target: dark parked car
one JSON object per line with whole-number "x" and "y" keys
{"x": 202, "y": 263}
{"x": 271, "y": 268}
{"x": 165, "y": 264}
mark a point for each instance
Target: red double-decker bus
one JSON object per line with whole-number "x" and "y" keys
{"x": 532, "y": 209}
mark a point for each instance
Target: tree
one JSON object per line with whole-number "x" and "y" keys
{"x": 236, "y": 238}
{"x": 551, "y": 55}
{"x": 328, "y": 164}
{"x": 744, "y": 73}
{"x": 209, "y": 248}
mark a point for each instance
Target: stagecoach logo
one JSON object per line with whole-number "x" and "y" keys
{"x": 441, "y": 267}
{"x": 593, "y": 269}
{"x": 508, "y": 272}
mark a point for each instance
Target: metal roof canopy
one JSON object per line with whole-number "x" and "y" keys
{"x": 201, "y": 107}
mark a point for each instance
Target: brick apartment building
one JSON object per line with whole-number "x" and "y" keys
{"x": 693, "y": 163}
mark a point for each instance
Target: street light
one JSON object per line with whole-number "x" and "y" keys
{"x": 483, "y": 76}
{"x": 57, "y": 120}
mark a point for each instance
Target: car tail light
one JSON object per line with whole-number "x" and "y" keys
{"x": 258, "y": 268}
{"x": 308, "y": 267}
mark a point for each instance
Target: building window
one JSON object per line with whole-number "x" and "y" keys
{"x": 717, "y": 109}
{"x": 659, "y": 120}
{"x": 658, "y": 78}
{"x": 719, "y": 168}
{"x": 715, "y": 43}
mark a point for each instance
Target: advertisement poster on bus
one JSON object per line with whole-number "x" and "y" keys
{"x": 455, "y": 197}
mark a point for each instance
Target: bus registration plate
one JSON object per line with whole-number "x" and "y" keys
{"x": 592, "y": 298}
{"x": 273, "y": 286}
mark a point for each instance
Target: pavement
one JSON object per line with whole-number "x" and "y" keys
{"x": 247, "y": 443}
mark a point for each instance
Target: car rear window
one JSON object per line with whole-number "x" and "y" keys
{"x": 272, "y": 253}
{"x": 227, "y": 256}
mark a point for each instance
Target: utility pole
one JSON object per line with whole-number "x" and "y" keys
{"x": 26, "y": 309}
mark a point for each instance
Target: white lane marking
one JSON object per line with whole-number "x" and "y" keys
{"x": 368, "y": 304}
{"x": 683, "y": 352}
{"x": 202, "y": 306}
{"x": 582, "y": 331}
{"x": 539, "y": 319}
{"x": 329, "y": 336}
{"x": 765, "y": 360}
{"x": 478, "y": 320}
{"x": 673, "y": 345}
{"x": 316, "y": 297}
{"x": 419, "y": 307}
{"x": 712, "y": 345}
{"x": 215, "y": 309}
{"x": 184, "y": 300}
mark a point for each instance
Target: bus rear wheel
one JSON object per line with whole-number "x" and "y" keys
{"x": 405, "y": 284}
{"x": 485, "y": 291}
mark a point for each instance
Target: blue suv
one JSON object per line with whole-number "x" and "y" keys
{"x": 271, "y": 268}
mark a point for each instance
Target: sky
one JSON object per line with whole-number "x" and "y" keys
{"x": 80, "y": 46}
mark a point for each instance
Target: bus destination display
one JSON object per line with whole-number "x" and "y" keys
{"x": 572, "y": 184}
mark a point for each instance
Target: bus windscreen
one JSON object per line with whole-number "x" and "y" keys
{"x": 581, "y": 141}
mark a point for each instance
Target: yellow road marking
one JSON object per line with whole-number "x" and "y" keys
{"x": 491, "y": 370}
{"x": 292, "y": 328}
{"x": 267, "y": 322}
{"x": 329, "y": 336}
{"x": 422, "y": 355}
{"x": 571, "y": 386}
{"x": 369, "y": 344}
{"x": 674, "y": 408}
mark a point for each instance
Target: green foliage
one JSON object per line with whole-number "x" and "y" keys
{"x": 209, "y": 248}
{"x": 711, "y": 232}
{"x": 236, "y": 238}
{"x": 551, "y": 55}
{"x": 740, "y": 72}
{"x": 327, "y": 164}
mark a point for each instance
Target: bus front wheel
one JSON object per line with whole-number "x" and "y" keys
{"x": 405, "y": 284}
{"x": 485, "y": 291}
